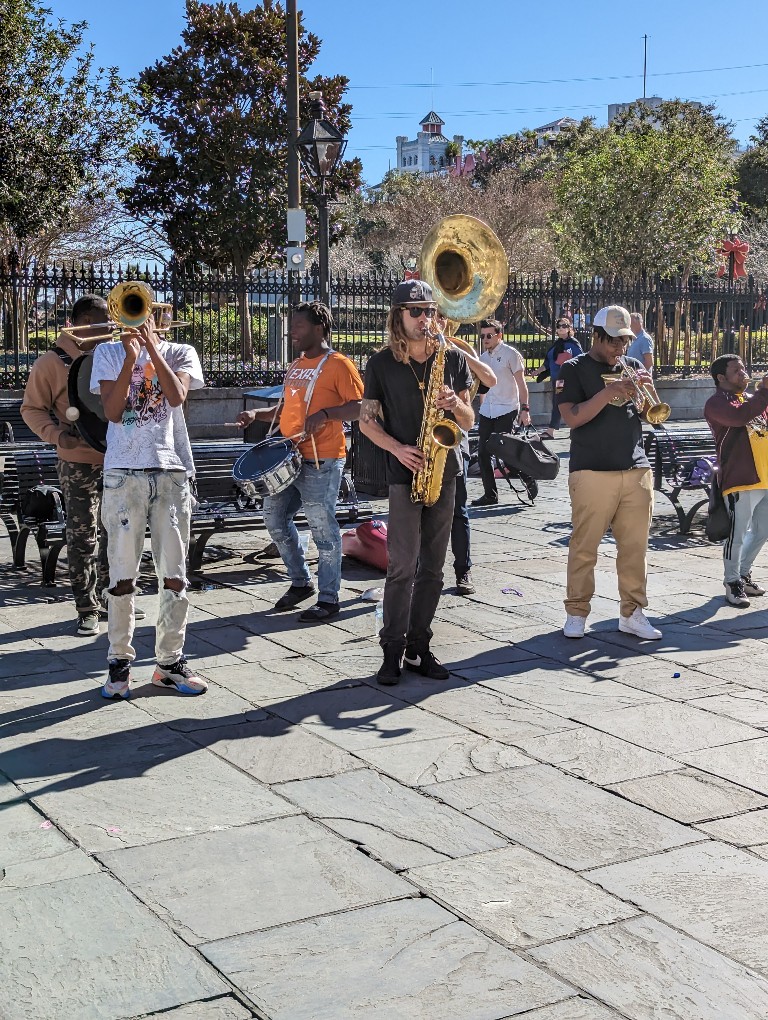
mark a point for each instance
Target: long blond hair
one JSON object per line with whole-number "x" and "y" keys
{"x": 398, "y": 341}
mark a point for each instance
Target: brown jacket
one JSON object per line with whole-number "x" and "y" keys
{"x": 45, "y": 397}
{"x": 728, "y": 418}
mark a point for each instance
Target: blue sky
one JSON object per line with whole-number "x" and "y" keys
{"x": 496, "y": 66}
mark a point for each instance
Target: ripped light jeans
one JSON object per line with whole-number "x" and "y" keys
{"x": 316, "y": 490}
{"x": 131, "y": 500}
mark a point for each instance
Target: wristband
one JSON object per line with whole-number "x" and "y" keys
{"x": 524, "y": 407}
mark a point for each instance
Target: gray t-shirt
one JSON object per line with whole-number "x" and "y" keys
{"x": 152, "y": 434}
{"x": 642, "y": 344}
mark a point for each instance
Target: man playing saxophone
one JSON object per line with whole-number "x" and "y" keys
{"x": 401, "y": 391}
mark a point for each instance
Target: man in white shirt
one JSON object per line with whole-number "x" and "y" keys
{"x": 642, "y": 346}
{"x": 143, "y": 382}
{"x": 503, "y": 405}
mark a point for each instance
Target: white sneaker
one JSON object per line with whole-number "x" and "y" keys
{"x": 574, "y": 626}
{"x": 639, "y": 625}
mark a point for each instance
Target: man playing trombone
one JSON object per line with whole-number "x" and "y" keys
{"x": 610, "y": 480}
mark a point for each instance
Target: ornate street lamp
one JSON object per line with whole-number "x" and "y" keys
{"x": 321, "y": 148}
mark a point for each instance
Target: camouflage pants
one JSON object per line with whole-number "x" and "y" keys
{"x": 88, "y": 573}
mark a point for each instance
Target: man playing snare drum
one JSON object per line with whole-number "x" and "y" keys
{"x": 322, "y": 390}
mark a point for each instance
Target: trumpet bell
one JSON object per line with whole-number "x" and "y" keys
{"x": 465, "y": 264}
{"x": 658, "y": 413}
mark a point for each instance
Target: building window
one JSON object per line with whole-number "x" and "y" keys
{"x": 405, "y": 161}
{"x": 442, "y": 161}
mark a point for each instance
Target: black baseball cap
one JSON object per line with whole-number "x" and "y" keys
{"x": 412, "y": 292}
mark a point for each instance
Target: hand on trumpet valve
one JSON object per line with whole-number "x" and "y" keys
{"x": 621, "y": 387}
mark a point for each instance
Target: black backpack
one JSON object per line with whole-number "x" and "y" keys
{"x": 43, "y": 504}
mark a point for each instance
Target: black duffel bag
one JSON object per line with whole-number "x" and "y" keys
{"x": 525, "y": 452}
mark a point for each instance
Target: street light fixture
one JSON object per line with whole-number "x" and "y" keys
{"x": 321, "y": 148}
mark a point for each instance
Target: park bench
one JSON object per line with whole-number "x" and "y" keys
{"x": 14, "y": 431}
{"x": 673, "y": 456}
{"x": 23, "y": 470}
{"x": 221, "y": 504}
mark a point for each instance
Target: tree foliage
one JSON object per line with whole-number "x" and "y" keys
{"x": 753, "y": 171}
{"x": 650, "y": 193}
{"x": 212, "y": 173}
{"x": 392, "y": 224}
{"x": 64, "y": 125}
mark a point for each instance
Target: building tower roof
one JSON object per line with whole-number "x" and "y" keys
{"x": 432, "y": 118}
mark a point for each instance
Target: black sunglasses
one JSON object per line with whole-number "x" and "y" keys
{"x": 416, "y": 312}
{"x": 563, "y": 325}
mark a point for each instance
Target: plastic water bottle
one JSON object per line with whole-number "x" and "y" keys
{"x": 378, "y": 618}
{"x": 304, "y": 542}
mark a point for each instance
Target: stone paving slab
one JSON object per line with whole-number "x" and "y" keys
{"x": 648, "y": 971}
{"x": 396, "y": 825}
{"x": 85, "y": 949}
{"x": 407, "y": 959}
{"x": 493, "y": 713}
{"x": 562, "y": 818}
{"x": 597, "y": 757}
{"x": 745, "y": 763}
{"x": 194, "y": 793}
{"x": 717, "y": 894}
{"x": 276, "y": 752}
{"x": 219, "y": 707}
{"x": 689, "y": 795}
{"x": 268, "y": 874}
{"x": 573, "y": 1009}
{"x": 519, "y": 896}
{"x": 359, "y": 717}
{"x": 567, "y": 691}
{"x": 668, "y": 728}
{"x": 741, "y": 703}
{"x": 214, "y": 1009}
{"x": 748, "y": 829}
{"x": 424, "y": 762}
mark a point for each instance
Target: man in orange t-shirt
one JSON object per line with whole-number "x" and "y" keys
{"x": 335, "y": 389}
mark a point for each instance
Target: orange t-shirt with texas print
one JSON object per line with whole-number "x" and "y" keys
{"x": 338, "y": 383}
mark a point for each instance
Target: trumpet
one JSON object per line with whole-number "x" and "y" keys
{"x": 129, "y": 305}
{"x": 646, "y": 398}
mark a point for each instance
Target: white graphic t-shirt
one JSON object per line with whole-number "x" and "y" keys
{"x": 152, "y": 434}
{"x": 504, "y": 396}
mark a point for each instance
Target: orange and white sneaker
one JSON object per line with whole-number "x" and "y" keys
{"x": 179, "y": 677}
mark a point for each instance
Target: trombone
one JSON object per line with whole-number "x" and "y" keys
{"x": 129, "y": 305}
{"x": 656, "y": 411}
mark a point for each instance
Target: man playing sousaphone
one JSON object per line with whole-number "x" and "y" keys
{"x": 79, "y": 466}
{"x": 610, "y": 480}
{"x": 322, "y": 390}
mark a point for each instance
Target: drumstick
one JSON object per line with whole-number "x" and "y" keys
{"x": 314, "y": 450}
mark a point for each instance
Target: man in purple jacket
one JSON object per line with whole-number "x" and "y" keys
{"x": 740, "y": 426}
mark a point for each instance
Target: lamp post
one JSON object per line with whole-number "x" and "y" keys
{"x": 321, "y": 147}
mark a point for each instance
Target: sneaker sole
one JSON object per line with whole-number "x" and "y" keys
{"x": 171, "y": 685}
{"x": 573, "y": 637}
{"x": 116, "y": 697}
{"x": 641, "y": 637}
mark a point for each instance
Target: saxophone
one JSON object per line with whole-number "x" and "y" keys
{"x": 438, "y": 435}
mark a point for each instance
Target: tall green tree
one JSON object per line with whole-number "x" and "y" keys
{"x": 64, "y": 127}
{"x": 213, "y": 170}
{"x": 653, "y": 192}
{"x": 753, "y": 171}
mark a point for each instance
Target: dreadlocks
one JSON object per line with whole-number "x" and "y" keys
{"x": 318, "y": 314}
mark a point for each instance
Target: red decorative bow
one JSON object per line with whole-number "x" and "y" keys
{"x": 412, "y": 274}
{"x": 739, "y": 250}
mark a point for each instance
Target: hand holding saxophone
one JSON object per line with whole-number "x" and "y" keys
{"x": 447, "y": 399}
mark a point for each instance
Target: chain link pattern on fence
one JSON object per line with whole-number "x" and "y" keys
{"x": 240, "y": 325}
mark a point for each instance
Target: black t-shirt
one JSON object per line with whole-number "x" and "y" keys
{"x": 613, "y": 440}
{"x": 396, "y": 386}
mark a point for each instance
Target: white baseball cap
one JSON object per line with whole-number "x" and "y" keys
{"x": 614, "y": 319}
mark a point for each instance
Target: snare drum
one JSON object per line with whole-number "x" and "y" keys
{"x": 268, "y": 468}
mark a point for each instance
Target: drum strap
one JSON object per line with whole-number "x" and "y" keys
{"x": 66, "y": 358}
{"x": 308, "y": 393}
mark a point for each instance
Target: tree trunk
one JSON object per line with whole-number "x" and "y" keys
{"x": 244, "y": 315}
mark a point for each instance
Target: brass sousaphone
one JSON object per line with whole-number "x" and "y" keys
{"x": 466, "y": 266}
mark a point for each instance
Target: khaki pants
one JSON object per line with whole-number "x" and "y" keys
{"x": 623, "y": 502}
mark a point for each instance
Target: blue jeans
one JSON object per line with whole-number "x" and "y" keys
{"x": 460, "y": 526}
{"x": 316, "y": 490}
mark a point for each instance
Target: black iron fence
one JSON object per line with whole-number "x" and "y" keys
{"x": 239, "y": 325}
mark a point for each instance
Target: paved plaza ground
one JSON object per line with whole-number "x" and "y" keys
{"x": 565, "y": 830}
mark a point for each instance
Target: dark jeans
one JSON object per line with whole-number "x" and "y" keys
{"x": 555, "y": 421}
{"x": 487, "y": 426}
{"x": 460, "y": 526}
{"x": 417, "y": 541}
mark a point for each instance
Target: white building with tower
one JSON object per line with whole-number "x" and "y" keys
{"x": 651, "y": 102}
{"x": 426, "y": 152}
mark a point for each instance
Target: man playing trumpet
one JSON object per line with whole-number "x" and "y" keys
{"x": 610, "y": 480}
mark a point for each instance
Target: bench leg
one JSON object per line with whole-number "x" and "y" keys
{"x": 196, "y": 550}
{"x": 12, "y": 529}
{"x": 49, "y": 557}
{"x": 20, "y": 548}
{"x": 685, "y": 527}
